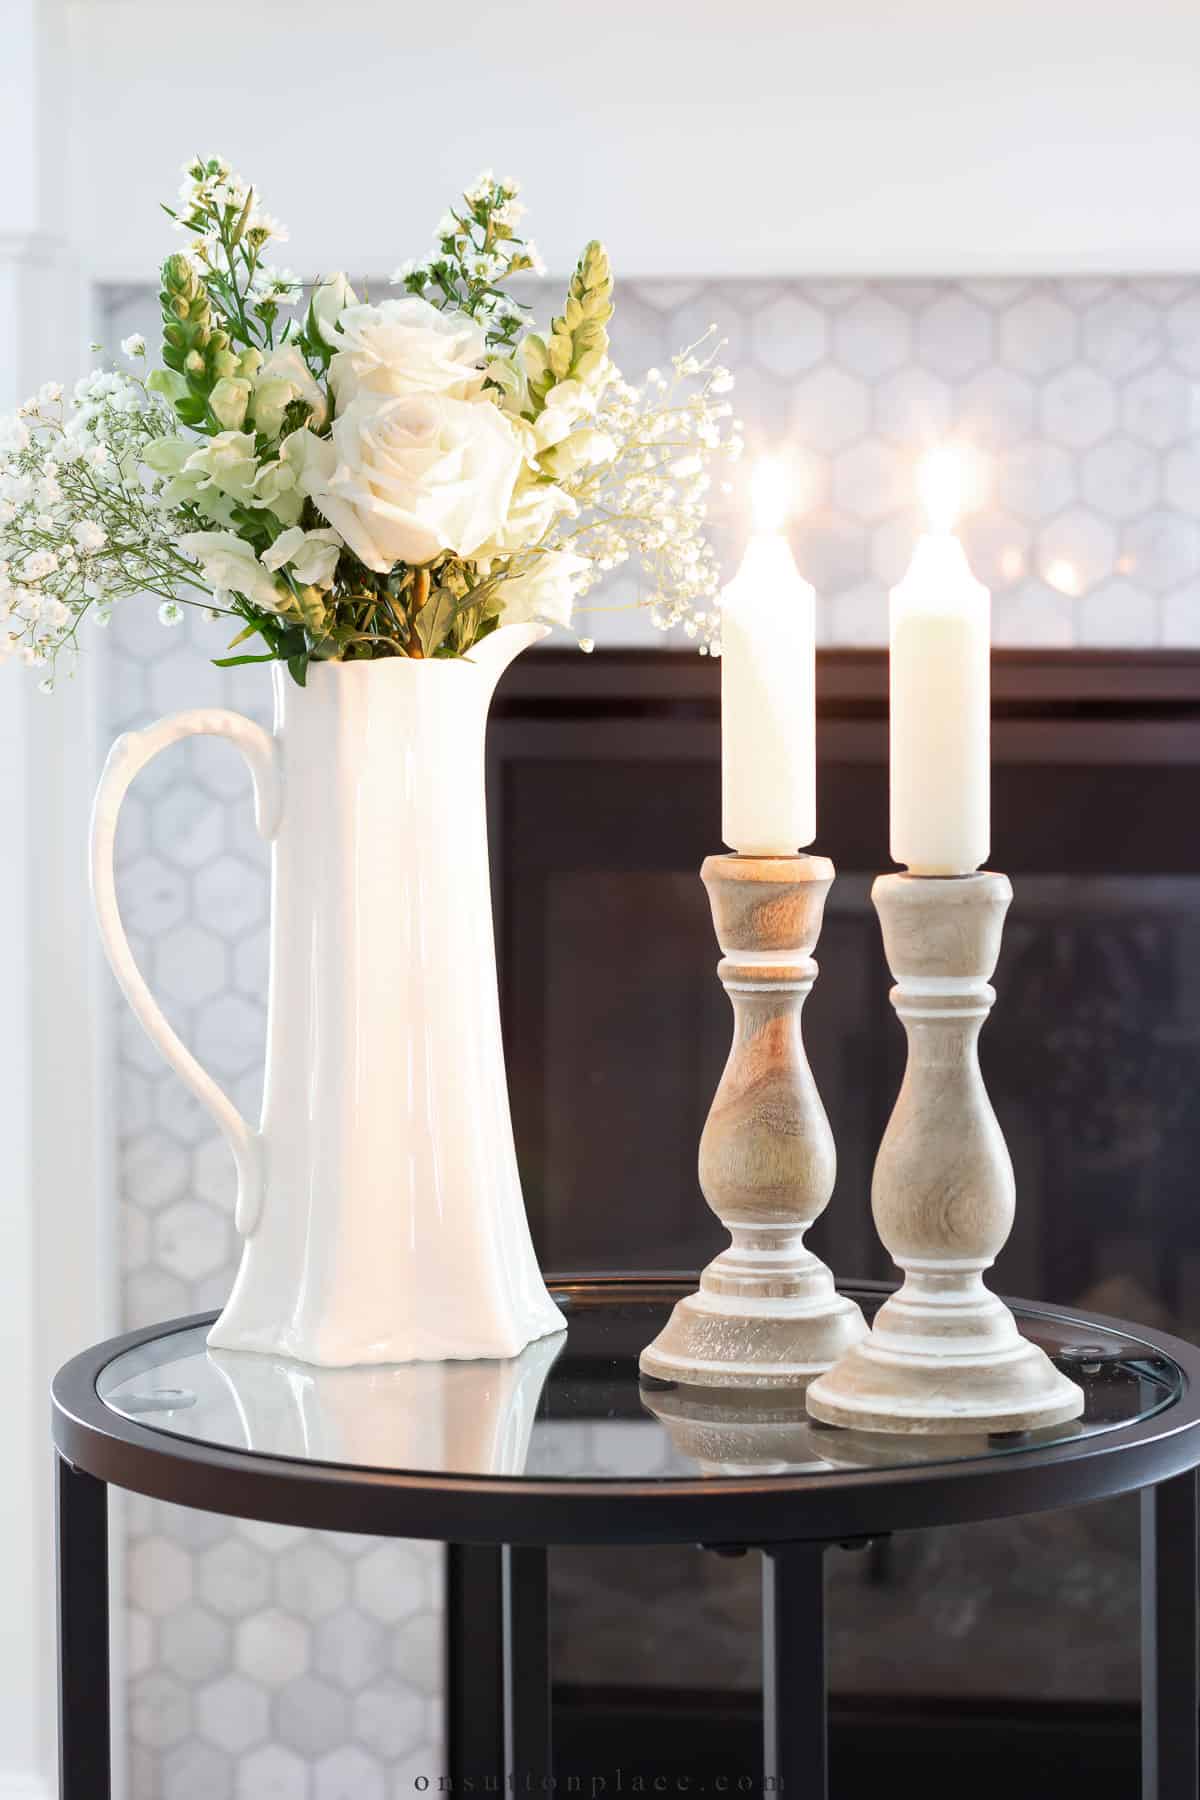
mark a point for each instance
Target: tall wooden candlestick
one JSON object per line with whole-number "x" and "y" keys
{"x": 767, "y": 1313}
{"x": 944, "y": 1354}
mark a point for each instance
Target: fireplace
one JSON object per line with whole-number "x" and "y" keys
{"x": 605, "y": 797}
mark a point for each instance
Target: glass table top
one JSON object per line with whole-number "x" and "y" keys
{"x": 572, "y": 1408}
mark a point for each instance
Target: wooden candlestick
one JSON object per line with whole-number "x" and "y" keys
{"x": 944, "y": 1354}
{"x": 767, "y": 1313}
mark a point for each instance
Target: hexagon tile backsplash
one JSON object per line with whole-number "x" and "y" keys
{"x": 274, "y": 1665}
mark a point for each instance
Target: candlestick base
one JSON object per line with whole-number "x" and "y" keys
{"x": 767, "y": 1314}
{"x": 984, "y": 1378}
{"x": 944, "y": 1354}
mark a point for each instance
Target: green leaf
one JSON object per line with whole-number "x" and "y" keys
{"x": 235, "y": 662}
{"x": 291, "y": 642}
{"x": 239, "y": 229}
{"x": 298, "y": 668}
{"x": 434, "y": 620}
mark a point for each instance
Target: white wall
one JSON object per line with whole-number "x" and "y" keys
{"x": 696, "y": 136}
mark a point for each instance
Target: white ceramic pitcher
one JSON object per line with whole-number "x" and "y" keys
{"x": 378, "y": 1201}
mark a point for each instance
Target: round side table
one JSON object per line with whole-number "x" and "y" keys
{"x": 503, "y": 1460}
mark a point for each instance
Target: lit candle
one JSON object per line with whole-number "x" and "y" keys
{"x": 768, "y": 687}
{"x": 940, "y": 694}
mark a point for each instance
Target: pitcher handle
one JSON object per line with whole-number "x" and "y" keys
{"x": 127, "y": 757}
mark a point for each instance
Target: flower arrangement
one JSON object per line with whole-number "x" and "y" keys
{"x": 374, "y": 478}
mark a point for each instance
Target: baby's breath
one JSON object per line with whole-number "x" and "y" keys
{"x": 650, "y": 501}
{"x": 80, "y": 527}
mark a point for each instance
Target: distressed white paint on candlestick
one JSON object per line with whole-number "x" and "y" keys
{"x": 768, "y": 689}
{"x": 767, "y": 1314}
{"x": 940, "y": 697}
{"x": 944, "y": 1354}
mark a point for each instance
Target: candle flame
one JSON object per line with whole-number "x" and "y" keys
{"x": 769, "y": 494}
{"x": 942, "y": 480}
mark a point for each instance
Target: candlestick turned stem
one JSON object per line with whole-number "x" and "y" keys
{"x": 767, "y": 1313}
{"x": 944, "y": 1354}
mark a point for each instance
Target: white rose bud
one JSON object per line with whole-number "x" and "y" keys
{"x": 328, "y": 303}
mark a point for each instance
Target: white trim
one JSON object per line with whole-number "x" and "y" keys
{"x": 56, "y": 1223}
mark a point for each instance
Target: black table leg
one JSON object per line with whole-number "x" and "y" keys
{"x": 794, "y": 1671}
{"x": 1170, "y": 1671}
{"x": 527, "y": 1736}
{"x": 84, "y": 1754}
{"x": 474, "y": 1681}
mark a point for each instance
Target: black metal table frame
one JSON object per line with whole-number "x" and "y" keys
{"x": 498, "y": 1531}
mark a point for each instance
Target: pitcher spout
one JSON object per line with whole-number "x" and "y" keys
{"x": 504, "y": 645}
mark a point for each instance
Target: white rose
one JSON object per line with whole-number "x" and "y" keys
{"x": 311, "y": 555}
{"x": 229, "y": 562}
{"x": 331, "y": 299}
{"x": 547, "y": 591}
{"x": 403, "y": 479}
{"x": 406, "y": 347}
{"x": 285, "y": 377}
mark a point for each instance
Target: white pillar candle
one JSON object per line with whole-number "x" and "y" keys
{"x": 768, "y": 688}
{"x": 940, "y": 696}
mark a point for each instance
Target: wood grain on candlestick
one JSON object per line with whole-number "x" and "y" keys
{"x": 767, "y": 1314}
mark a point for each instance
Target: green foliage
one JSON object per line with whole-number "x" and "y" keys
{"x": 219, "y": 302}
{"x": 578, "y": 342}
{"x": 192, "y": 342}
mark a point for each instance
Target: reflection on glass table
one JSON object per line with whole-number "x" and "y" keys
{"x": 571, "y": 1407}
{"x": 455, "y": 1417}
